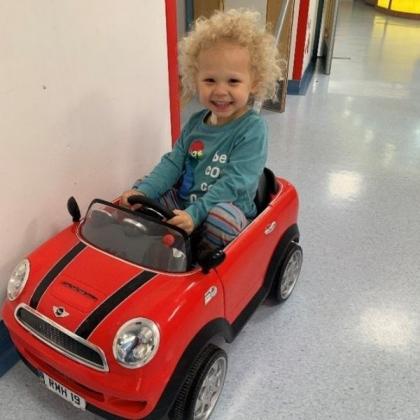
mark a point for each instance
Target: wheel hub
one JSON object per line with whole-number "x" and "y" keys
{"x": 291, "y": 274}
{"x": 210, "y": 390}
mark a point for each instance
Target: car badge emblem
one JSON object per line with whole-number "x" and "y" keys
{"x": 60, "y": 312}
{"x": 210, "y": 294}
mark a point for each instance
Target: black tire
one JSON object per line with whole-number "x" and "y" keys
{"x": 188, "y": 398}
{"x": 288, "y": 271}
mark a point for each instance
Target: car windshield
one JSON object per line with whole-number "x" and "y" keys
{"x": 136, "y": 237}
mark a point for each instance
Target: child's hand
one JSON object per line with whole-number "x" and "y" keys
{"x": 182, "y": 220}
{"x": 124, "y": 198}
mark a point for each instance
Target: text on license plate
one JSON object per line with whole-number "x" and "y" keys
{"x": 64, "y": 392}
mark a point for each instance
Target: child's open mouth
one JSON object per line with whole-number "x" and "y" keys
{"x": 221, "y": 106}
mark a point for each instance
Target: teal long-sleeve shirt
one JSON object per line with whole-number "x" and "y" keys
{"x": 212, "y": 164}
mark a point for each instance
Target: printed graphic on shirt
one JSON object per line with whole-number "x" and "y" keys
{"x": 214, "y": 170}
{"x": 204, "y": 180}
{"x": 196, "y": 149}
{"x": 195, "y": 153}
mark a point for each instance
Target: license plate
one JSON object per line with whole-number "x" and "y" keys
{"x": 64, "y": 392}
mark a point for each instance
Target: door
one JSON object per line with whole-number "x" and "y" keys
{"x": 328, "y": 35}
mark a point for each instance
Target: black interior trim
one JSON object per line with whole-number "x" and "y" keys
{"x": 267, "y": 186}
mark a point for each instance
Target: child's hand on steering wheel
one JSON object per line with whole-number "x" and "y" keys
{"x": 182, "y": 220}
{"x": 124, "y": 198}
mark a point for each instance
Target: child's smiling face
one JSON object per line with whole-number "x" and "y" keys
{"x": 224, "y": 81}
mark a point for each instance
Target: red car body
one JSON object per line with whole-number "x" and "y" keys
{"x": 100, "y": 292}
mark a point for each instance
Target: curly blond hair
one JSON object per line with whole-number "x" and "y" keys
{"x": 237, "y": 26}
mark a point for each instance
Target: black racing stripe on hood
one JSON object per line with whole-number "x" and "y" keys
{"x": 54, "y": 272}
{"x": 92, "y": 321}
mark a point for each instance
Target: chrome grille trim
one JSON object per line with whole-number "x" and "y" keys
{"x": 51, "y": 333}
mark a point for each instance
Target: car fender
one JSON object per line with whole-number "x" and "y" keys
{"x": 214, "y": 328}
{"x": 181, "y": 306}
{"x": 291, "y": 234}
{"x": 220, "y": 327}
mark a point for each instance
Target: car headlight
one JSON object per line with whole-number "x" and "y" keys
{"x": 18, "y": 279}
{"x": 136, "y": 342}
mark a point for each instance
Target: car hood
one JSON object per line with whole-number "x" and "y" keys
{"x": 82, "y": 287}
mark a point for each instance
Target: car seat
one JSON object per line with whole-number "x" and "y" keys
{"x": 267, "y": 186}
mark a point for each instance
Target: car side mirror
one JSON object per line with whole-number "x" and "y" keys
{"x": 211, "y": 260}
{"x": 73, "y": 209}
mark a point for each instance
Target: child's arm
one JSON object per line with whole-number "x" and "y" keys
{"x": 167, "y": 172}
{"x": 161, "y": 179}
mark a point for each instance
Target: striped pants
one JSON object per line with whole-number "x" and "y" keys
{"x": 223, "y": 223}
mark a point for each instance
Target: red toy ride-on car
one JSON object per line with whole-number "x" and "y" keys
{"x": 118, "y": 317}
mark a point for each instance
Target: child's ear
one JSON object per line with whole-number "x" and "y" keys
{"x": 254, "y": 87}
{"x": 254, "y": 83}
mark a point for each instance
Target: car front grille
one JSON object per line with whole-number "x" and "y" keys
{"x": 60, "y": 339}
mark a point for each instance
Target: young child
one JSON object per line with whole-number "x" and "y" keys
{"x": 228, "y": 61}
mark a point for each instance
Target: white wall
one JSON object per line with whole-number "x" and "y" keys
{"x": 84, "y": 109}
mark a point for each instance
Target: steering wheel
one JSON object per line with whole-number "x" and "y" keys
{"x": 151, "y": 207}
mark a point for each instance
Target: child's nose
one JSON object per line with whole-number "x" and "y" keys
{"x": 220, "y": 89}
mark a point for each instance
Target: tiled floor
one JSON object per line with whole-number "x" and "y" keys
{"x": 346, "y": 345}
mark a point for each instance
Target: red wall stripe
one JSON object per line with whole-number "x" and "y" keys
{"x": 172, "y": 39}
{"x": 300, "y": 39}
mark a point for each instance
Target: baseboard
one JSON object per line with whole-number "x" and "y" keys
{"x": 8, "y": 353}
{"x": 299, "y": 87}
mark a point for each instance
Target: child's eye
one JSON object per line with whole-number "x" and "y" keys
{"x": 234, "y": 81}
{"x": 209, "y": 80}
